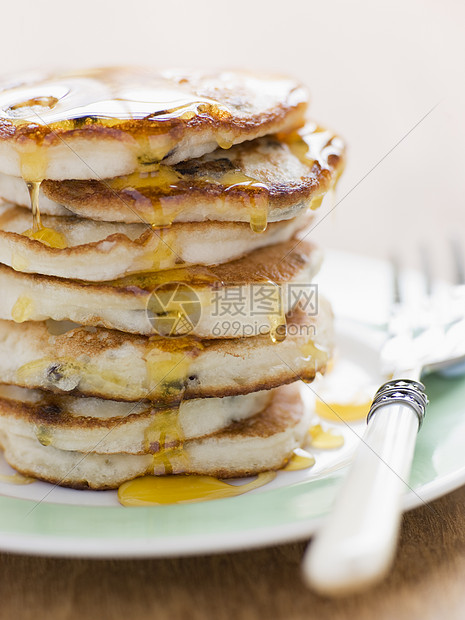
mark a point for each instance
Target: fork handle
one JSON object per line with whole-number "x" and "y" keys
{"x": 355, "y": 546}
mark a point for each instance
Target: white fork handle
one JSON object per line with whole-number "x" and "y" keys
{"x": 356, "y": 544}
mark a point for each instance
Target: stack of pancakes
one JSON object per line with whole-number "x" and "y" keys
{"x": 157, "y": 306}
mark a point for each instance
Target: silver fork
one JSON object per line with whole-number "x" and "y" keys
{"x": 356, "y": 544}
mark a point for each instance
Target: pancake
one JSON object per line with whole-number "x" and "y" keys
{"x": 99, "y": 251}
{"x": 264, "y": 286}
{"x": 263, "y": 442}
{"x": 270, "y": 179}
{"x": 110, "y": 121}
{"x": 110, "y": 364}
{"x": 109, "y": 426}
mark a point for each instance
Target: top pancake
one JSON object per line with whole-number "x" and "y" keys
{"x": 112, "y": 121}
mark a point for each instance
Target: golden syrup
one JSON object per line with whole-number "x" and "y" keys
{"x": 259, "y": 213}
{"x": 324, "y": 440}
{"x": 316, "y": 201}
{"x": 151, "y": 188}
{"x": 43, "y": 436}
{"x": 301, "y": 459}
{"x": 146, "y": 189}
{"x": 224, "y": 143}
{"x": 345, "y": 392}
{"x": 168, "y": 362}
{"x": 255, "y": 193}
{"x": 313, "y": 354}
{"x": 34, "y": 189}
{"x": 48, "y": 236}
{"x": 337, "y": 412}
{"x": 162, "y": 177}
{"x": 313, "y": 146}
{"x": 33, "y": 166}
{"x": 23, "y": 309}
{"x": 277, "y": 317}
{"x": 168, "y": 366}
{"x": 31, "y": 370}
{"x": 166, "y": 372}
{"x": 162, "y": 255}
{"x": 149, "y": 280}
{"x": 155, "y": 490}
{"x": 107, "y": 96}
{"x": 16, "y": 479}
{"x": 163, "y": 431}
{"x": 18, "y": 262}
{"x": 98, "y": 380}
{"x": 148, "y": 154}
{"x": 170, "y": 460}
{"x": 150, "y": 191}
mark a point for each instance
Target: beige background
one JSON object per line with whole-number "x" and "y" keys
{"x": 374, "y": 70}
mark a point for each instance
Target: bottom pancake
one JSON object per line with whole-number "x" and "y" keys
{"x": 260, "y": 443}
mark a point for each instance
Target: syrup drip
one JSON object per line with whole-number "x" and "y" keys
{"x": 33, "y": 169}
{"x": 19, "y": 262}
{"x": 224, "y": 143}
{"x": 43, "y": 436}
{"x": 324, "y": 440}
{"x": 169, "y": 369}
{"x": 300, "y": 460}
{"x": 277, "y": 317}
{"x": 48, "y": 236}
{"x": 22, "y": 309}
{"x": 168, "y": 364}
{"x": 33, "y": 189}
{"x": 170, "y": 460}
{"x": 312, "y": 353}
{"x": 257, "y": 197}
{"x": 151, "y": 490}
{"x": 161, "y": 256}
{"x": 16, "y": 479}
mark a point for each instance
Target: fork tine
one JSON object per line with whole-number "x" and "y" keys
{"x": 457, "y": 257}
{"x": 396, "y": 290}
{"x": 426, "y": 268}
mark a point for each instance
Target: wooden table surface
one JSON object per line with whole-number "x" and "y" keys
{"x": 427, "y": 581}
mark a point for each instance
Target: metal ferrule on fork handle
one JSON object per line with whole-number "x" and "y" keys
{"x": 403, "y": 391}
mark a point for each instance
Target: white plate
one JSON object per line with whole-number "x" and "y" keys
{"x": 42, "y": 519}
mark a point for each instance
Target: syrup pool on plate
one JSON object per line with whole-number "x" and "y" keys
{"x": 154, "y": 490}
{"x": 345, "y": 393}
